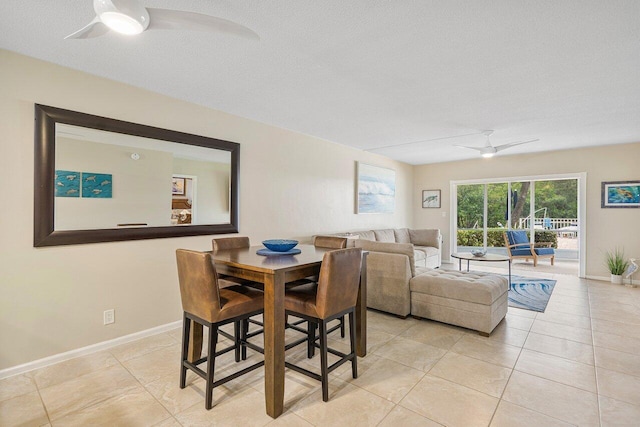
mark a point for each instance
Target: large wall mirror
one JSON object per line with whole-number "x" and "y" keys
{"x": 100, "y": 180}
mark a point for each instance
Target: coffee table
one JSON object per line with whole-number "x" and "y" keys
{"x": 487, "y": 258}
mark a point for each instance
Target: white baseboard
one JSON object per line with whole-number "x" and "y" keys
{"x": 608, "y": 279}
{"x": 94, "y": 348}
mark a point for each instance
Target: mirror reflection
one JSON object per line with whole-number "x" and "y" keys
{"x": 111, "y": 180}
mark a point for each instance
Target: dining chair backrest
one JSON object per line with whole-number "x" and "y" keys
{"x": 199, "y": 289}
{"x": 338, "y": 281}
{"x": 330, "y": 242}
{"x": 224, "y": 243}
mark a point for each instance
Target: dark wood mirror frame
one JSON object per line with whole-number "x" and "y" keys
{"x": 44, "y": 183}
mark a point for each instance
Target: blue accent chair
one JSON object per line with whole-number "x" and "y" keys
{"x": 518, "y": 246}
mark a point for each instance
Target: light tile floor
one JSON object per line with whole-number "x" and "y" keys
{"x": 576, "y": 364}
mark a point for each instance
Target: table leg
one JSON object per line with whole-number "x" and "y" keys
{"x": 467, "y": 265}
{"x": 361, "y": 311}
{"x": 509, "y": 272}
{"x": 460, "y": 264}
{"x": 274, "y": 343}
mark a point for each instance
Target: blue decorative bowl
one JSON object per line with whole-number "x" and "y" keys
{"x": 280, "y": 245}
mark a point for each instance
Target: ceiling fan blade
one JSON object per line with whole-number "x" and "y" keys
{"x": 93, "y": 29}
{"x": 513, "y": 144}
{"x": 165, "y": 19}
{"x": 480, "y": 149}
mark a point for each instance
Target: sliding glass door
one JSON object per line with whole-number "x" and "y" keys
{"x": 546, "y": 208}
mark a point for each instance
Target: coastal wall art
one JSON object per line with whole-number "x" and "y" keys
{"x": 376, "y": 188}
{"x": 67, "y": 183}
{"x": 621, "y": 194}
{"x": 97, "y": 185}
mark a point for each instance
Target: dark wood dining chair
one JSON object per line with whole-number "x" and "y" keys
{"x": 225, "y": 243}
{"x": 333, "y": 296}
{"x": 332, "y": 242}
{"x": 204, "y": 301}
{"x": 327, "y": 242}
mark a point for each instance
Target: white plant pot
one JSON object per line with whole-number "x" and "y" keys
{"x": 616, "y": 279}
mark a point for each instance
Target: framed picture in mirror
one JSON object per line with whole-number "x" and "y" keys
{"x": 177, "y": 186}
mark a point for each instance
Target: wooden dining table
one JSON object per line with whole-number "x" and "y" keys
{"x": 274, "y": 272}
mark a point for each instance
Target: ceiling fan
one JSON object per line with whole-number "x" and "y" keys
{"x": 130, "y": 17}
{"x": 490, "y": 150}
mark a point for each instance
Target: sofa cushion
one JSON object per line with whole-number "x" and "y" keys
{"x": 392, "y": 248}
{"x": 385, "y": 235}
{"x": 366, "y": 235}
{"x": 419, "y": 255}
{"x": 544, "y": 251}
{"x": 402, "y": 235}
{"x": 425, "y": 237}
{"x": 427, "y": 250}
{"x": 479, "y": 288}
{"x": 518, "y": 237}
{"x": 521, "y": 252}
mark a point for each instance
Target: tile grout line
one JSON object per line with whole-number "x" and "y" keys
{"x": 511, "y": 374}
{"x": 595, "y": 366}
{"x": 46, "y": 411}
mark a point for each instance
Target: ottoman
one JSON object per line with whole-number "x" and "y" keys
{"x": 473, "y": 300}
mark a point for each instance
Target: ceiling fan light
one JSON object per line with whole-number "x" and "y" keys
{"x": 487, "y": 155}
{"x": 121, "y": 23}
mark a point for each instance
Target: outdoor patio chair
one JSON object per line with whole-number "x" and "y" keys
{"x": 518, "y": 246}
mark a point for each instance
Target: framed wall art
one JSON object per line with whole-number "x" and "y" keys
{"x": 376, "y": 189}
{"x": 431, "y": 198}
{"x": 97, "y": 185}
{"x": 67, "y": 183}
{"x": 621, "y": 194}
{"x": 178, "y": 186}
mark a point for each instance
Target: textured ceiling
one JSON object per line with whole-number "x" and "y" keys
{"x": 398, "y": 78}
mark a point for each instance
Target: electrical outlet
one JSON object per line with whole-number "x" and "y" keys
{"x": 109, "y": 316}
{"x": 444, "y": 214}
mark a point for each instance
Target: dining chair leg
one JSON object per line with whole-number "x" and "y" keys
{"x": 211, "y": 359}
{"x": 342, "y": 327}
{"x": 311, "y": 339}
{"x": 245, "y": 331}
{"x": 352, "y": 333}
{"x": 186, "y": 330}
{"x": 324, "y": 368}
{"x": 236, "y": 339}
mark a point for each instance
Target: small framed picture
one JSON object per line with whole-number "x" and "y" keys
{"x": 621, "y": 194}
{"x": 430, "y": 198}
{"x": 177, "y": 188}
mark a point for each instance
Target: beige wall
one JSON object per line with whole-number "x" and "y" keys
{"x": 52, "y": 299}
{"x": 605, "y": 228}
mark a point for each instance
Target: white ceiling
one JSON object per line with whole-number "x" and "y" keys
{"x": 390, "y": 77}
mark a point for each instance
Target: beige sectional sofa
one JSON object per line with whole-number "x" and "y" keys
{"x": 427, "y": 243}
{"x": 403, "y": 278}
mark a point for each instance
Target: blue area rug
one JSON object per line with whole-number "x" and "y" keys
{"x": 530, "y": 294}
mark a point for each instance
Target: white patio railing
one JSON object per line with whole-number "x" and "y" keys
{"x": 548, "y": 223}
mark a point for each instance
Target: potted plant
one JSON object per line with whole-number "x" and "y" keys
{"x": 617, "y": 264}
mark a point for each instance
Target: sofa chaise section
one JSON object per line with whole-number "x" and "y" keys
{"x": 475, "y": 300}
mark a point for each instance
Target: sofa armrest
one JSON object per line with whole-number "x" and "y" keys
{"x": 403, "y": 249}
{"x": 388, "y": 276}
{"x": 430, "y": 237}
